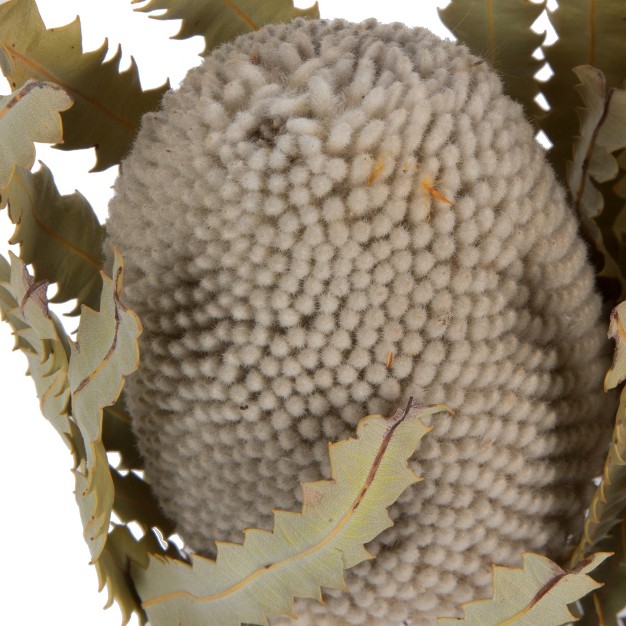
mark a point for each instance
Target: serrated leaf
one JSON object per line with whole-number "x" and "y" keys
{"x": 607, "y": 504}
{"x": 589, "y": 33}
{"x": 135, "y": 502}
{"x": 500, "y": 32}
{"x": 31, "y": 113}
{"x": 602, "y": 606}
{"x": 118, "y": 436}
{"x": 59, "y": 235}
{"x": 602, "y": 133}
{"x": 108, "y": 104}
{"x": 113, "y": 569}
{"x": 306, "y": 551}
{"x": 94, "y": 493}
{"x": 41, "y": 337}
{"x": 105, "y": 353}
{"x": 219, "y": 21}
{"x": 538, "y": 593}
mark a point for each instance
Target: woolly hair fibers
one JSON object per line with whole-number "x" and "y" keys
{"x": 316, "y": 196}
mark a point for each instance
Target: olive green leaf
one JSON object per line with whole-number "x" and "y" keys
{"x": 602, "y": 133}
{"x": 589, "y": 33}
{"x": 538, "y": 593}
{"x": 607, "y": 504}
{"x": 31, "y": 113}
{"x": 118, "y": 436}
{"x": 39, "y": 334}
{"x": 600, "y": 608}
{"x": 500, "y": 32}
{"x": 59, "y": 235}
{"x": 113, "y": 569}
{"x": 219, "y": 21}
{"x": 105, "y": 353}
{"x": 135, "y": 502}
{"x": 249, "y": 582}
{"x": 108, "y": 104}
{"x": 94, "y": 495}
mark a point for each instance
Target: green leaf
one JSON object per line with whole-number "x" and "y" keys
{"x": 219, "y": 21}
{"x": 59, "y": 235}
{"x": 248, "y": 583}
{"x": 500, "y": 32}
{"x": 538, "y": 593}
{"x": 602, "y": 133}
{"x": 31, "y": 113}
{"x": 108, "y": 104}
{"x": 105, "y": 353}
{"x": 589, "y": 33}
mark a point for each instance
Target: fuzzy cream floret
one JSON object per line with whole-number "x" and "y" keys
{"x": 317, "y": 196}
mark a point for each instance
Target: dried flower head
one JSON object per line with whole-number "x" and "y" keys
{"x": 319, "y": 196}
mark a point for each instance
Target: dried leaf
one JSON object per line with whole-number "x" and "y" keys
{"x": 41, "y": 337}
{"x": 608, "y": 501}
{"x": 602, "y": 133}
{"x": 31, "y": 113}
{"x": 24, "y": 305}
{"x": 114, "y": 568}
{"x": 94, "y": 494}
{"x": 108, "y": 104}
{"x": 538, "y": 593}
{"x": 135, "y": 502}
{"x": 105, "y": 353}
{"x": 59, "y": 235}
{"x": 306, "y": 551}
{"x": 589, "y": 33}
{"x": 118, "y": 436}
{"x": 602, "y": 606}
{"x": 219, "y": 21}
{"x": 617, "y": 372}
{"x": 500, "y": 32}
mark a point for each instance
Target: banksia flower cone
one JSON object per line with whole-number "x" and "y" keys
{"x": 329, "y": 218}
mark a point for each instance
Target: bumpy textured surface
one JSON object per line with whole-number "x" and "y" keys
{"x": 282, "y": 238}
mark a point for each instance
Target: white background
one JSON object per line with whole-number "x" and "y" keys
{"x": 45, "y": 571}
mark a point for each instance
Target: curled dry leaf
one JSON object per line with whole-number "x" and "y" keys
{"x": 105, "y": 353}
{"x": 31, "y": 113}
{"x": 538, "y": 593}
{"x": 41, "y": 337}
{"x": 602, "y": 133}
{"x": 588, "y": 33}
{"x": 617, "y": 372}
{"x": 607, "y": 504}
{"x": 249, "y": 582}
